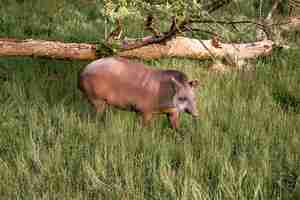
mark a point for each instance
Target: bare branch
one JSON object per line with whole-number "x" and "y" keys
{"x": 116, "y": 34}
{"x": 150, "y": 26}
{"x": 274, "y": 7}
{"x": 137, "y": 43}
{"x": 204, "y": 21}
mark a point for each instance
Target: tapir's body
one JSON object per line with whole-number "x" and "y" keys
{"x": 136, "y": 87}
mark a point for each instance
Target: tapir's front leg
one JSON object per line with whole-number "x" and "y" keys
{"x": 147, "y": 116}
{"x": 173, "y": 118}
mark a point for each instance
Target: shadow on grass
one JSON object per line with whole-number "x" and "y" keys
{"x": 287, "y": 101}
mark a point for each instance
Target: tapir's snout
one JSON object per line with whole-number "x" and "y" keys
{"x": 196, "y": 115}
{"x": 193, "y": 112}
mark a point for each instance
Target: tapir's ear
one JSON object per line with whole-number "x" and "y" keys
{"x": 176, "y": 84}
{"x": 194, "y": 83}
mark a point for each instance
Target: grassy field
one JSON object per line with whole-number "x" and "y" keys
{"x": 246, "y": 144}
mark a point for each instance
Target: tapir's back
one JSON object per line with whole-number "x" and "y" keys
{"x": 119, "y": 82}
{"x": 120, "y": 68}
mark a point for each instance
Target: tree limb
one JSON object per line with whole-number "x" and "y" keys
{"x": 204, "y": 21}
{"x": 150, "y": 26}
{"x": 274, "y": 7}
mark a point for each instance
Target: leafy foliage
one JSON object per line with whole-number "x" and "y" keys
{"x": 141, "y": 8}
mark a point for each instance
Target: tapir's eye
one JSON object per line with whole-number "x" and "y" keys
{"x": 182, "y": 99}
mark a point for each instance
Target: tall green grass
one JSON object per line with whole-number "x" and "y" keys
{"x": 245, "y": 145}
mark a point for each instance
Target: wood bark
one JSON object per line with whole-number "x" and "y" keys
{"x": 48, "y": 49}
{"x": 181, "y": 47}
{"x": 291, "y": 24}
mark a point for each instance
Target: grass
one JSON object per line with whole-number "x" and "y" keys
{"x": 53, "y": 146}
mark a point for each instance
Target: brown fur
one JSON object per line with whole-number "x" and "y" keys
{"x": 131, "y": 86}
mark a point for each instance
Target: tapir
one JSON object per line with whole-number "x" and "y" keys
{"x": 136, "y": 87}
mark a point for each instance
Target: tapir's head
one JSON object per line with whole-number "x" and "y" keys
{"x": 184, "y": 98}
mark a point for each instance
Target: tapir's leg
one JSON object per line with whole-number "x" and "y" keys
{"x": 99, "y": 104}
{"x": 173, "y": 118}
{"x": 146, "y": 118}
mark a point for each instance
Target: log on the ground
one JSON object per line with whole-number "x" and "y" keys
{"x": 181, "y": 47}
{"x": 291, "y": 24}
{"x": 48, "y": 49}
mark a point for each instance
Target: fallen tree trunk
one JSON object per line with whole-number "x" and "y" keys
{"x": 200, "y": 49}
{"x": 291, "y": 24}
{"x": 181, "y": 47}
{"x": 48, "y": 49}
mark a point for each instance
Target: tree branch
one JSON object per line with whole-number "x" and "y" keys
{"x": 150, "y": 26}
{"x": 274, "y": 7}
{"x": 200, "y": 21}
{"x": 130, "y": 44}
